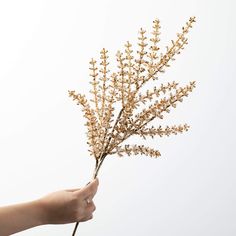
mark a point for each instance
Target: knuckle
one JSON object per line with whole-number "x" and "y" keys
{"x": 93, "y": 207}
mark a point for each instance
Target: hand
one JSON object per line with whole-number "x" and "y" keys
{"x": 70, "y": 205}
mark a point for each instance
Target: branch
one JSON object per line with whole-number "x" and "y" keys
{"x": 89, "y": 114}
{"x": 136, "y": 149}
{"x": 160, "y": 131}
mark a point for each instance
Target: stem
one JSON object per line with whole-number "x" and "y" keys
{"x": 99, "y": 166}
{"x": 102, "y": 157}
{"x": 76, "y": 226}
{"x": 109, "y": 139}
{"x": 95, "y": 173}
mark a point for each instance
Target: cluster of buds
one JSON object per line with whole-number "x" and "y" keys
{"x": 107, "y": 134}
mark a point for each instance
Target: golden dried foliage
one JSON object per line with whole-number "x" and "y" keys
{"x": 106, "y": 134}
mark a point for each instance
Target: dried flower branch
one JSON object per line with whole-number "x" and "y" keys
{"x": 136, "y": 149}
{"x": 160, "y": 131}
{"x": 91, "y": 124}
{"x": 106, "y": 134}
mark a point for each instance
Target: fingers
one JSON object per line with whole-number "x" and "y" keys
{"x": 89, "y": 190}
{"x": 89, "y": 212}
{"x": 91, "y": 207}
{"x": 87, "y": 218}
{"x": 85, "y": 203}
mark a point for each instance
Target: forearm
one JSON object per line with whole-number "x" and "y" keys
{"x": 19, "y": 217}
{"x": 61, "y": 207}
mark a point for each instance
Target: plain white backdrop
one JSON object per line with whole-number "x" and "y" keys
{"x": 45, "y": 47}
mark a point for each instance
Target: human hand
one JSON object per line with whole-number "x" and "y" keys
{"x": 68, "y": 206}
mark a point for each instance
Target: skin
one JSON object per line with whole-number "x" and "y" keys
{"x": 61, "y": 207}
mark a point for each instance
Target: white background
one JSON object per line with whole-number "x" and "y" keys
{"x": 45, "y": 47}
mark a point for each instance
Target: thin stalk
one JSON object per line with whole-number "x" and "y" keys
{"x": 95, "y": 174}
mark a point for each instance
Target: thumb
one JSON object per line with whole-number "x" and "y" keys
{"x": 90, "y": 189}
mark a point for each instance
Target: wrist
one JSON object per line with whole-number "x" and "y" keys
{"x": 41, "y": 212}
